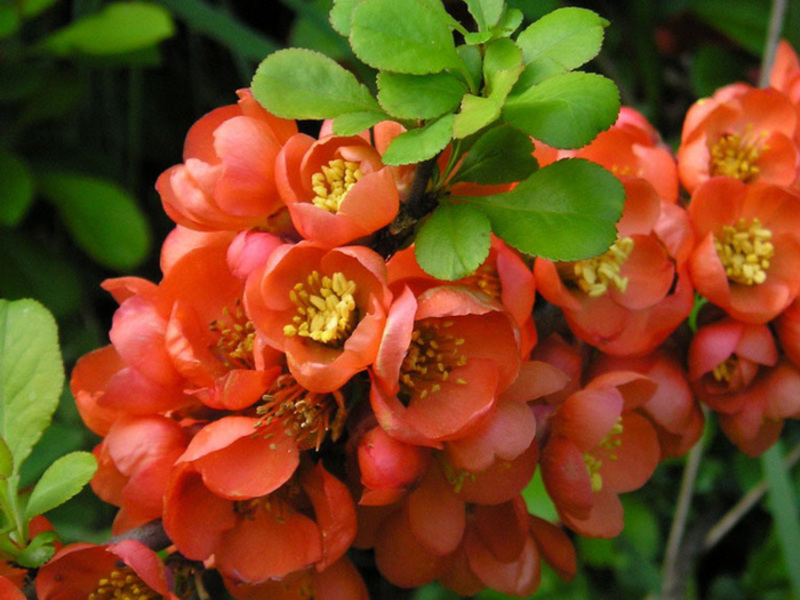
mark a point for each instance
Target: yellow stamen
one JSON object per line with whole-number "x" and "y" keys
{"x": 595, "y": 275}
{"x": 486, "y": 279}
{"x": 433, "y": 353}
{"x": 236, "y": 336}
{"x": 745, "y": 251}
{"x": 332, "y": 183}
{"x": 606, "y": 449}
{"x": 123, "y": 584}
{"x": 326, "y": 309}
{"x": 735, "y": 155}
{"x": 724, "y": 370}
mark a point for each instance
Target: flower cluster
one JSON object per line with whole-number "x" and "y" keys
{"x": 290, "y": 389}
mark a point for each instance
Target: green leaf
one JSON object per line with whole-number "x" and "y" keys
{"x": 486, "y": 12}
{"x": 16, "y": 189}
{"x": 565, "y": 211}
{"x": 785, "y": 509}
{"x": 412, "y": 36}
{"x": 744, "y": 21}
{"x": 501, "y": 155}
{"x": 341, "y": 15}
{"x": 476, "y": 113}
{"x": 60, "y": 482}
{"x": 32, "y": 8}
{"x": 417, "y": 145}
{"x": 354, "y": 123}
{"x": 561, "y": 41}
{"x": 419, "y": 96}
{"x": 9, "y": 20}
{"x": 501, "y": 66}
{"x": 39, "y": 551}
{"x": 453, "y": 241}
{"x": 302, "y": 84}
{"x": 103, "y": 219}
{"x": 6, "y": 460}
{"x": 31, "y": 374}
{"x": 119, "y": 27}
{"x": 476, "y": 38}
{"x": 312, "y": 30}
{"x": 565, "y": 111}
{"x": 33, "y": 271}
{"x": 473, "y": 63}
{"x": 509, "y": 23}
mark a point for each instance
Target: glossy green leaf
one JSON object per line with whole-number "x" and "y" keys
{"x": 60, "y": 482}
{"x": 565, "y": 111}
{"x": 16, "y": 189}
{"x": 476, "y": 38}
{"x": 119, "y": 27}
{"x": 565, "y": 211}
{"x": 31, "y": 270}
{"x": 102, "y": 217}
{"x": 485, "y": 12}
{"x": 453, "y": 241}
{"x": 412, "y": 36}
{"x": 353, "y": 123}
{"x": 473, "y": 65}
{"x": 475, "y": 114}
{"x": 6, "y": 460}
{"x": 302, "y": 84}
{"x": 509, "y": 23}
{"x": 31, "y": 374}
{"x": 341, "y": 15}
{"x": 501, "y": 155}
{"x": 38, "y": 551}
{"x": 417, "y": 145}
{"x": 419, "y": 96}
{"x": 562, "y": 41}
{"x": 502, "y": 65}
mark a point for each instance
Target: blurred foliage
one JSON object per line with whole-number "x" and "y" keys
{"x": 96, "y": 97}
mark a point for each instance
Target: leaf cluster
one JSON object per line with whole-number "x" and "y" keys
{"x": 473, "y": 101}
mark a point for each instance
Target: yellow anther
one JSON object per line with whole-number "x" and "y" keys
{"x": 724, "y": 370}
{"x": 745, "y": 251}
{"x": 332, "y": 183}
{"x": 595, "y": 275}
{"x": 326, "y": 312}
{"x": 735, "y": 155}
{"x": 123, "y": 584}
{"x": 431, "y": 356}
{"x": 606, "y": 449}
{"x": 236, "y": 338}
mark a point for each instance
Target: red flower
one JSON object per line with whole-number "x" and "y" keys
{"x": 747, "y": 255}
{"x": 126, "y": 569}
{"x": 743, "y": 133}
{"x": 628, "y": 300}
{"x": 226, "y": 180}
{"x": 324, "y": 308}
{"x": 337, "y": 188}
{"x": 307, "y": 522}
{"x": 785, "y": 74}
{"x": 9, "y": 591}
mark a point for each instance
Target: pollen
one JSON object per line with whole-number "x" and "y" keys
{"x": 724, "y": 370}
{"x": 432, "y": 355}
{"x": 486, "y": 279}
{"x": 123, "y": 584}
{"x": 237, "y": 333}
{"x": 326, "y": 309}
{"x": 332, "y": 183}
{"x": 735, "y": 155}
{"x": 745, "y": 251}
{"x": 595, "y": 275}
{"x": 607, "y": 449}
{"x": 304, "y": 415}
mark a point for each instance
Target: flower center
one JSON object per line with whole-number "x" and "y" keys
{"x": 724, "y": 370}
{"x": 606, "y": 449}
{"x": 123, "y": 584}
{"x": 307, "y": 416}
{"x": 326, "y": 309}
{"x": 486, "y": 279}
{"x": 737, "y": 155}
{"x": 745, "y": 251}
{"x": 236, "y": 335}
{"x": 333, "y": 182}
{"x": 282, "y": 503}
{"x": 595, "y": 275}
{"x": 433, "y": 353}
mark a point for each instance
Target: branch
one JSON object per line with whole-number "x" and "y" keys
{"x": 771, "y": 43}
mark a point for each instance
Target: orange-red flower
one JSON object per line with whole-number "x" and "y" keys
{"x": 125, "y": 569}
{"x": 631, "y": 298}
{"x": 9, "y": 590}
{"x": 337, "y": 189}
{"x": 785, "y": 73}
{"x": 307, "y": 522}
{"x": 226, "y": 181}
{"x": 599, "y": 446}
{"x": 743, "y": 133}
{"x": 325, "y": 308}
{"x": 747, "y": 254}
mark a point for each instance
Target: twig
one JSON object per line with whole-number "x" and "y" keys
{"x": 741, "y": 508}
{"x": 771, "y": 43}
{"x": 673, "y": 582}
